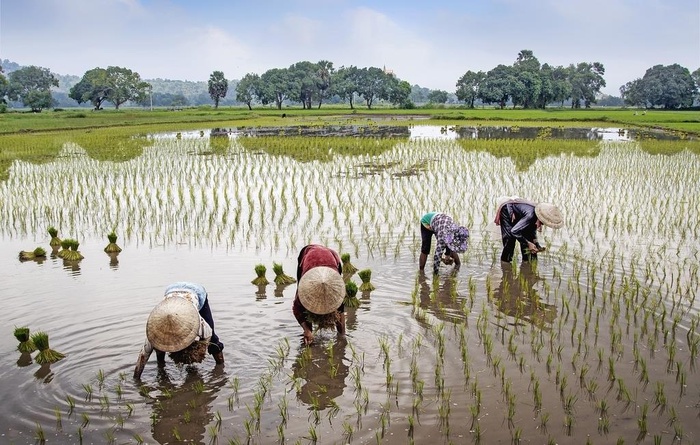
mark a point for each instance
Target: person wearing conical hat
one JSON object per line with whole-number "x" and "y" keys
{"x": 320, "y": 290}
{"x": 520, "y": 220}
{"x": 182, "y": 325}
{"x": 452, "y": 239}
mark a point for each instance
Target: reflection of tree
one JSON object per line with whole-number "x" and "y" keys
{"x": 439, "y": 297}
{"x": 516, "y": 297}
{"x": 182, "y": 413}
{"x": 323, "y": 369}
{"x": 525, "y": 151}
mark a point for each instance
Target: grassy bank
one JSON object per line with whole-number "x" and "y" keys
{"x": 20, "y": 122}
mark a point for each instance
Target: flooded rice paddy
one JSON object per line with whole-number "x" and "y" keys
{"x": 596, "y": 343}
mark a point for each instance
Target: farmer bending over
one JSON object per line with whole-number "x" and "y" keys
{"x": 320, "y": 291}
{"x": 182, "y": 325}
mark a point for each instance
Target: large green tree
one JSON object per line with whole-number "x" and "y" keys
{"x": 218, "y": 87}
{"x": 669, "y": 87}
{"x": 633, "y": 93}
{"x": 94, "y": 87}
{"x": 125, "y": 85}
{"x": 344, "y": 83}
{"x": 527, "y": 83}
{"x": 586, "y": 82}
{"x": 32, "y": 86}
{"x": 247, "y": 89}
{"x": 372, "y": 84}
{"x": 275, "y": 86}
{"x": 324, "y": 74}
{"x": 302, "y": 83}
{"x": 468, "y": 87}
{"x": 497, "y": 86}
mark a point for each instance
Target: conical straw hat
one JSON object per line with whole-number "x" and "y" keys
{"x": 549, "y": 215}
{"x": 321, "y": 290}
{"x": 172, "y": 325}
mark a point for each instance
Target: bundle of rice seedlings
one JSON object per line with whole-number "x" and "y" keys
{"x": 65, "y": 247}
{"x": 55, "y": 240}
{"x": 25, "y": 342}
{"x": 46, "y": 354}
{"x": 280, "y": 276}
{"x": 351, "y": 299}
{"x": 260, "y": 271}
{"x": 366, "y": 276}
{"x": 72, "y": 254}
{"x": 112, "y": 246}
{"x": 348, "y": 268}
{"x": 194, "y": 353}
{"x": 37, "y": 253}
{"x": 325, "y": 321}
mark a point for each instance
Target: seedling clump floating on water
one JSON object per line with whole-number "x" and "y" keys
{"x": 65, "y": 247}
{"x": 351, "y": 299}
{"x": 112, "y": 247}
{"x": 72, "y": 253}
{"x": 25, "y": 342}
{"x": 55, "y": 240}
{"x": 260, "y": 271}
{"x": 348, "y": 268}
{"x": 366, "y": 276}
{"x": 37, "y": 253}
{"x": 280, "y": 276}
{"x": 46, "y": 354}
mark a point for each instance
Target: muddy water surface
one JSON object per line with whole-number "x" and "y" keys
{"x": 597, "y": 342}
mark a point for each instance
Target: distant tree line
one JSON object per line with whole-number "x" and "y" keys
{"x": 526, "y": 83}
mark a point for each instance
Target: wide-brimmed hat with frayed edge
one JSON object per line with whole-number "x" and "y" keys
{"x": 172, "y": 325}
{"x": 321, "y": 290}
{"x": 549, "y": 215}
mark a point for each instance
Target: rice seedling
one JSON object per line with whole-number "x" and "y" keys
{"x": 70, "y": 250}
{"x": 45, "y": 354}
{"x": 260, "y": 279}
{"x": 348, "y": 268}
{"x": 55, "y": 241}
{"x": 351, "y": 300}
{"x": 25, "y": 341}
{"x": 280, "y": 277}
{"x": 366, "y": 277}
{"x": 112, "y": 246}
{"x": 38, "y": 253}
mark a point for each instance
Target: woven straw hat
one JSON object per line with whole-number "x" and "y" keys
{"x": 172, "y": 325}
{"x": 549, "y": 215}
{"x": 321, "y": 290}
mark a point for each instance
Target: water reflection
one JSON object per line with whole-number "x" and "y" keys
{"x": 113, "y": 260}
{"x": 438, "y": 296}
{"x": 25, "y": 359}
{"x": 516, "y": 296}
{"x": 44, "y": 373}
{"x": 323, "y": 369}
{"x": 182, "y": 412}
{"x": 72, "y": 266}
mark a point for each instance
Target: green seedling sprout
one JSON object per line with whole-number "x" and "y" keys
{"x": 260, "y": 279}
{"x": 46, "y": 354}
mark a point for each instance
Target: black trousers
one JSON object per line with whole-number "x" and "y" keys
{"x": 509, "y": 240}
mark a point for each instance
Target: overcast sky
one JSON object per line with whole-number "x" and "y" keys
{"x": 431, "y": 43}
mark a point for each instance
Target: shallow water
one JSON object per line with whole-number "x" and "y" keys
{"x": 443, "y": 359}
